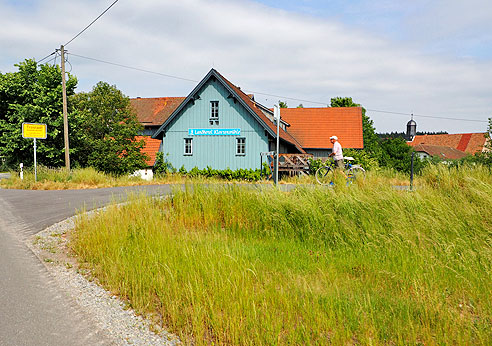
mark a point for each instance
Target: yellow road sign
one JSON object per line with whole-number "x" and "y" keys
{"x": 30, "y": 130}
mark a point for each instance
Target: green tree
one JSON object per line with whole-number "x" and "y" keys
{"x": 33, "y": 94}
{"x": 397, "y": 154}
{"x": 108, "y": 127}
{"x": 282, "y": 104}
{"x": 486, "y": 157}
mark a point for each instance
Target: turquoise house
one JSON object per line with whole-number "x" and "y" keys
{"x": 220, "y": 126}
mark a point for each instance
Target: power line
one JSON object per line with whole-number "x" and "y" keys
{"x": 427, "y": 116}
{"x": 371, "y": 110}
{"x": 278, "y": 96}
{"x": 287, "y": 98}
{"x": 46, "y": 57}
{"x": 135, "y": 68}
{"x": 106, "y": 10}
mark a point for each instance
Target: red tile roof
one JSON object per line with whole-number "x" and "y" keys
{"x": 440, "y": 151}
{"x": 154, "y": 111}
{"x": 313, "y": 127}
{"x": 151, "y": 148}
{"x": 470, "y": 143}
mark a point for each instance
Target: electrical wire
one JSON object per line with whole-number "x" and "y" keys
{"x": 427, "y": 116}
{"x": 370, "y": 110}
{"x": 68, "y": 62}
{"x": 135, "y": 68}
{"x": 287, "y": 98}
{"x": 106, "y": 10}
{"x": 46, "y": 57}
{"x": 279, "y": 96}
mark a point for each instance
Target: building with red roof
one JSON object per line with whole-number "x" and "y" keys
{"x": 150, "y": 148}
{"x": 313, "y": 127}
{"x": 152, "y": 112}
{"x": 220, "y": 126}
{"x": 469, "y": 143}
{"x": 441, "y": 152}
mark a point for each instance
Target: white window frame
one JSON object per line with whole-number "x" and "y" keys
{"x": 214, "y": 112}
{"x": 188, "y": 143}
{"x": 240, "y": 146}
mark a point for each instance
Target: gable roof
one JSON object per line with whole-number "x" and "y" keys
{"x": 440, "y": 151}
{"x": 155, "y": 110}
{"x": 470, "y": 143}
{"x": 250, "y": 105}
{"x": 313, "y": 127}
{"x": 150, "y": 148}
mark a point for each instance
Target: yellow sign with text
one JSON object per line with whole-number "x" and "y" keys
{"x": 30, "y": 130}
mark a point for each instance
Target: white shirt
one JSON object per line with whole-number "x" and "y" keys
{"x": 337, "y": 149}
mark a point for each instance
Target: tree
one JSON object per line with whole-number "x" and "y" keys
{"x": 397, "y": 154}
{"x": 486, "y": 156}
{"x": 370, "y": 138}
{"x": 108, "y": 127}
{"x": 33, "y": 94}
{"x": 282, "y": 104}
{"x": 489, "y": 136}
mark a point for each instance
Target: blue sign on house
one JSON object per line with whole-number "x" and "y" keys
{"x": 214, "y": 132}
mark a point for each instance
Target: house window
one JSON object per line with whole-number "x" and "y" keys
{"x": 214, "y": 112}
{"x": 188, "y": 146}
{"x": 240, "y": 146}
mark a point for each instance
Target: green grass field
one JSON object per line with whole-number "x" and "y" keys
{"x": 364, "y": 264}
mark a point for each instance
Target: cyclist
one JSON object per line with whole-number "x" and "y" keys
{"x": 337, "y": 152}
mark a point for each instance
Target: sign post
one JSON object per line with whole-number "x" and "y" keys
{"x": 276, "y": 115}
{"x": 35, "y": 131}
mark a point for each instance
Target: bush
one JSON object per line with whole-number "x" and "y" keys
{"x": 162, "y": 166}
{"x": 226, "y": 174}
{"x": 363, "y": 158}
{"x": 314, "y": 164}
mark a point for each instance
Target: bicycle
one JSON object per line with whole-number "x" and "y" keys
{"x": 325, "y": 175}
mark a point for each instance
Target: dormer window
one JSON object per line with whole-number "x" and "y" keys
{"x": 214, "y": 112}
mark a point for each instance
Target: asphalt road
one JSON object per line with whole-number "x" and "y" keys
{"x": 33, "y": 311}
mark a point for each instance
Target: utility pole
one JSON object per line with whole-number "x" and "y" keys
{"x": 65, "y": 115}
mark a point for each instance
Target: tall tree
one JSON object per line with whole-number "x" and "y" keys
{"x": 487, "y": 155}
{"x": 33, "y": 94}
{"x": 397, "y": 154}
{"x": 282, "y": 104}
{"x": 108, "y": 126}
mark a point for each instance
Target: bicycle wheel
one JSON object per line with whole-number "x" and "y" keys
{"x": 324, "y": 175}
{"x": 356, "y": 173}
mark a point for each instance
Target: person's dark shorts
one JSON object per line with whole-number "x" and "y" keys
{"x": 339, "y": 164}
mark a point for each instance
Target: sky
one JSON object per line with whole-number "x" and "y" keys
{"x": 429, "y": 58}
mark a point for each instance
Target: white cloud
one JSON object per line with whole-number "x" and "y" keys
{"x": 260, "y": 48}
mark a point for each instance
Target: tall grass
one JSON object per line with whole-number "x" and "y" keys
{"x": 79, "y": 178}
{"x": 364, "y": 264}
{"x": 86, "y": 178}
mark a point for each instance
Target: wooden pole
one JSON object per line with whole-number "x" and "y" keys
{"x": 65, "y": 112}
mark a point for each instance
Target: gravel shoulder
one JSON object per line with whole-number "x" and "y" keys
{"x": 109, "y": 313}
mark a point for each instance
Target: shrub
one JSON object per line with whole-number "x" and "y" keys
{"x": 162, "y": 166}
{"x": 227, "y": 174}
{"x": 363, "y": 158}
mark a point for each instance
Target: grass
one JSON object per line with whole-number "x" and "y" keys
{"x": 89, "y": 178}
{"x": 85, "y": 178}
{"x": 364, "y": 264}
